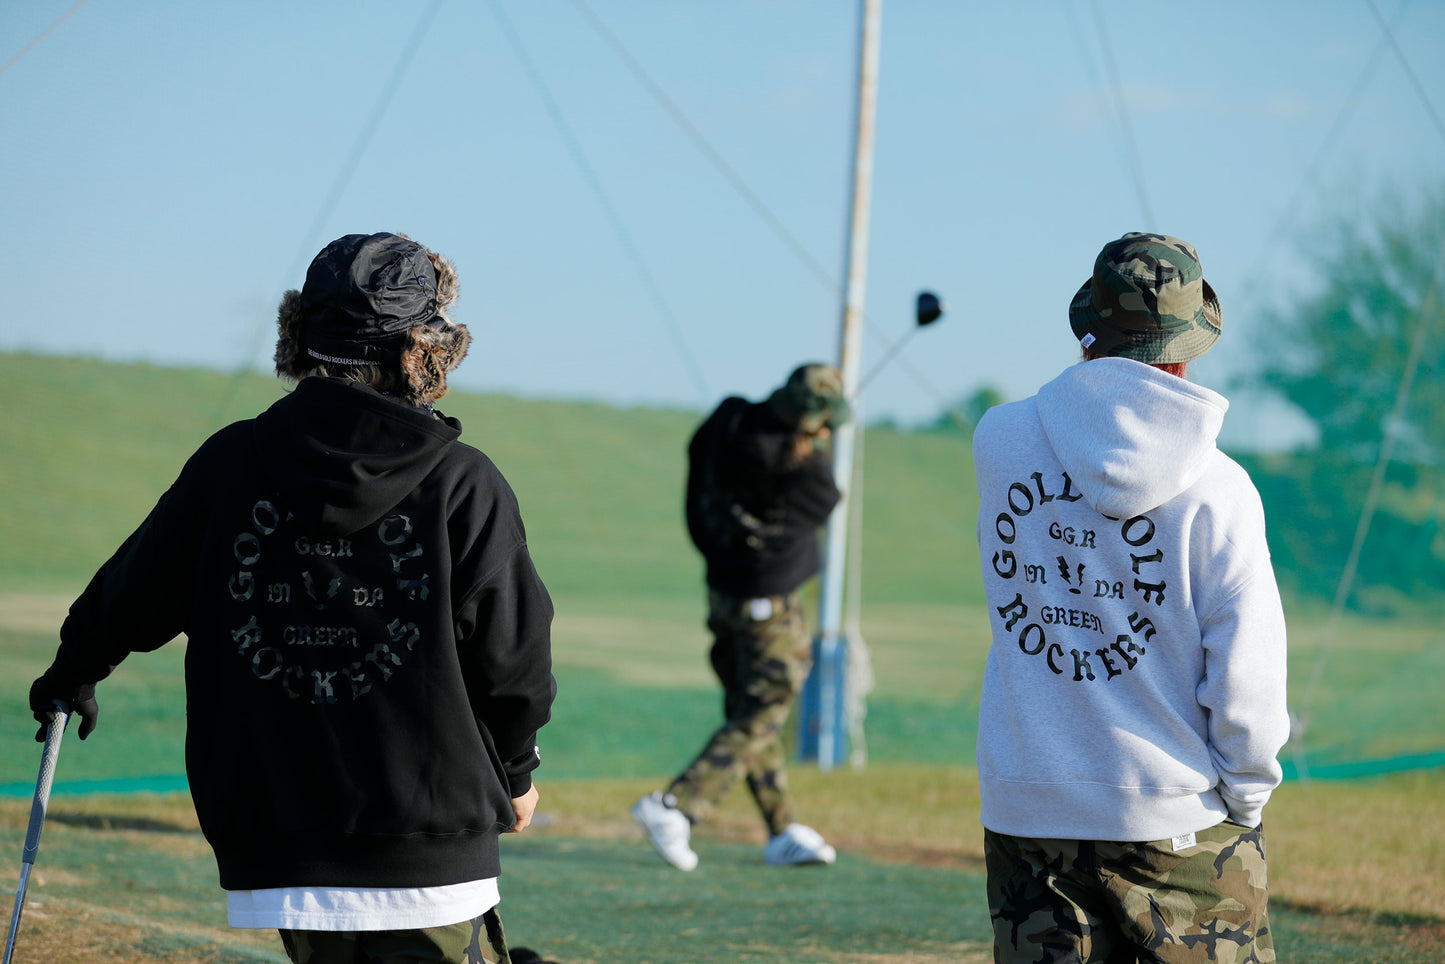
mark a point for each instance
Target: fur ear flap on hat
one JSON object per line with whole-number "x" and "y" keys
{"x": 291, "y": 362}
{"x": 434, "y": 351}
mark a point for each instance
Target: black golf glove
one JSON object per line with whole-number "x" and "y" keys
{"x": 79, "y": 700}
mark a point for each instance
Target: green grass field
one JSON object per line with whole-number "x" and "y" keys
{"x": 1358, "y": 867}
{"x": 1355, "y": 877}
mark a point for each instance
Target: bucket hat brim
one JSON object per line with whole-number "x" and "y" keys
{"x": 1147, "y": 300}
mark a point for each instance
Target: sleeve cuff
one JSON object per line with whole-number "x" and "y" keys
{"x": 519, "y": 770}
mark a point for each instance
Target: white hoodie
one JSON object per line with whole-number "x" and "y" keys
{"x": 1135, "y": 689}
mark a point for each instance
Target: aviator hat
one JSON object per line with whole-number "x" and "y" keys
{"x": 374, "y": 300}
{"x": 363, "y": 293}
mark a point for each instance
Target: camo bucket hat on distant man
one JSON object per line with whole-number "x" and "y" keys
{"x": 1146, "y": 300}
{"x": 812, "y": 398}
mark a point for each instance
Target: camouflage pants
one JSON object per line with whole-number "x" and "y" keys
{"x": 476, "y": 941}
{"x": 761, "y": 654}
{"x": 1079, "y": 901}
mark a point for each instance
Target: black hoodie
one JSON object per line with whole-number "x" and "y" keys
{"x": 369, "y": 654}
{"x": 753, "y": 507}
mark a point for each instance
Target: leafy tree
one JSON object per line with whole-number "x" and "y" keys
{"x": 1340, "y": 353}
{"x": 963, "y": 415}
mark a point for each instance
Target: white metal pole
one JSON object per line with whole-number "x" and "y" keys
{"x": 831, "y": 648}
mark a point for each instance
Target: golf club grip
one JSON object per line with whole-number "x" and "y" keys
{"x": 38, "y": 805}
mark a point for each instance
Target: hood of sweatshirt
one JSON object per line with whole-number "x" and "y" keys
{"x": 1130, "y": 436}
{"x": 341, "y": 456}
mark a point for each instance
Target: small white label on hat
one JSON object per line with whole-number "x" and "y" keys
{"x": 1087, "y": 340}
{"x": 760, "y": 609}
{"x": 1184, "y": 841}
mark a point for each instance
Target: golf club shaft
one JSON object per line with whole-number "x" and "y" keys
{"x": 928, "y": 310}
{"x": 15, "y": 915}
{"x": 883, "y": 362}
{"x": 38, "y": 806}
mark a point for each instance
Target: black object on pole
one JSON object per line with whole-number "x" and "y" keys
{"x": 38, "y": 806}
{"x": 927, "y": 309}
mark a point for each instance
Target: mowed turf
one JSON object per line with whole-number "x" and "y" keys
{"x": 1359, "y": 867}
{"x": 129, "y": 878}
{"x": 636, "y": 696}
{"x": 88, "y": 447}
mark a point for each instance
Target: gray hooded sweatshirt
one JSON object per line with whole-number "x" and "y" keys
{"x": 1135, "y": 688}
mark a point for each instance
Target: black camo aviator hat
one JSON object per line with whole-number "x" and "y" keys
{"x": 363, "y": 293}
{"x": 1146, "y": 300}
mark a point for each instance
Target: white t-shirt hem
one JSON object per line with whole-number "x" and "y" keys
{"x": 360, "y": 909}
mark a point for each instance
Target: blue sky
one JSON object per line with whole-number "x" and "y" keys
{"x": 171, "y": 167}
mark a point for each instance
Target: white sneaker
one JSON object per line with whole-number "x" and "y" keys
{"x": 796, "y": 845}
{"x": 667, "y": 828}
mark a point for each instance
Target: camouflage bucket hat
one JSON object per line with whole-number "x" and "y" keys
{"x": 1146, "y": 300}
{"x": 812, "y": 398}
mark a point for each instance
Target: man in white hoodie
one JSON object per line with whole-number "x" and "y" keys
{"x": 1134, "y": 695}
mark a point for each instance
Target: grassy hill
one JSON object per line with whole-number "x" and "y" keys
{"x": 90, "y": 446}
{"x": 86, "y": 447}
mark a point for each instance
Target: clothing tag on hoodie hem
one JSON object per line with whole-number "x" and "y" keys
{"x": 1184, "y": 841}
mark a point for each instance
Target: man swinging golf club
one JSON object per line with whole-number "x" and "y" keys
{"x": 759, "y": 485}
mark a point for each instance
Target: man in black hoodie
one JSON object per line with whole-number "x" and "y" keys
{"x": 369, "y": 655}
{"x": 758, "y": 488}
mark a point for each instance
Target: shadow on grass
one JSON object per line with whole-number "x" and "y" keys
{"x": 104, "y": 821}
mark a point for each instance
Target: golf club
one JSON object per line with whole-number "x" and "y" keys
{"x": 927, "y": 310}
{"x": 38, "y": 805}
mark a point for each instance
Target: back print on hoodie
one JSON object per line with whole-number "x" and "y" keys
{"x": 1135, "y": 686}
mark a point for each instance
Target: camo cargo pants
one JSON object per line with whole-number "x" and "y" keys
{"x": 761, "y": 654}
{"x": 476, "y": 941}
{"x": 1079, "y": 901}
